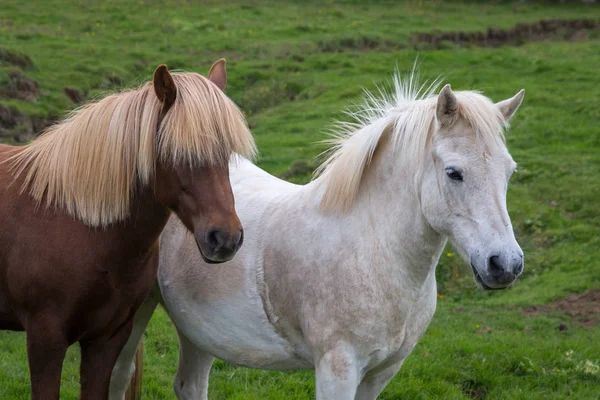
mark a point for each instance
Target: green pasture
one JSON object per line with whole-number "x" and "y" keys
{"x": 293, "y": 67}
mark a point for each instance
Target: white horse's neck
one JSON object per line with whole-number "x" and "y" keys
{"x": 388, "y": 207}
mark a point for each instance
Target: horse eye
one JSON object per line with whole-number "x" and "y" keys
{"x": 454, "y": 174}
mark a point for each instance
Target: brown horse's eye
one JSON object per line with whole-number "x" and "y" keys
{"x": 454, "y": 174}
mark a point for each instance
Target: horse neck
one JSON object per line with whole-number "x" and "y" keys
{"x": 147, "y": 218}
{"x": 389, "y": 201}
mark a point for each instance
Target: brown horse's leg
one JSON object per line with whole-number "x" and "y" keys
{"x": 98, "y": 357}
{"x": 46, "y": 349}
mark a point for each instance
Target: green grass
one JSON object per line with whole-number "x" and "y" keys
{"x": 293, "y": 67}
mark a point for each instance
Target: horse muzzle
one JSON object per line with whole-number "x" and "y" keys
{"x": 218, "y": 246}
{"x": 499, "y": 272}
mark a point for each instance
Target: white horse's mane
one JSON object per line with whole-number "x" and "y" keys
{"x": 407, "y": 113}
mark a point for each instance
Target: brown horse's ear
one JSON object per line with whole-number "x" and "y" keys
{"x": 218, "y": 74}
{"x": 164, "y": 87}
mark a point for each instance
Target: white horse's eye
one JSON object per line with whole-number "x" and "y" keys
{"x": 454, "y": 174}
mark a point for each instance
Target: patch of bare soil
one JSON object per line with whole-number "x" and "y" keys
{"x": 474, "y": 390}
{"x": 13, "y": 57}
{"x": 75, "y": 95}
{"x": 298, "y": 168}
{"x": 583, "y": 308}
{"x": 20, "y": 87}
{"x": 554, "y": 29}
{"x": 21, "y": 127}
{"x": 341, "y": 45}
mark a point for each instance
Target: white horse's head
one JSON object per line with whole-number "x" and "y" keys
{"x": 450, "y": 148}
{"x": 463, "y": 191}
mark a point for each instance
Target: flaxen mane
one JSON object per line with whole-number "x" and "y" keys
{"x": 408, "y": 115}
{"x": 90, "y": 163}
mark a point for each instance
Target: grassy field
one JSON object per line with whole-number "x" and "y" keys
{"x": 293, "y": 67}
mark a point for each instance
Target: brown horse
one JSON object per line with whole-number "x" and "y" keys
{"x": 82, "y": 207}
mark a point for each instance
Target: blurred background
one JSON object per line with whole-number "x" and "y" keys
{"x": 293, "y": 67}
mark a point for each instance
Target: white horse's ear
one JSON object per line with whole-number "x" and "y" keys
{"x": 447, "y": 105}
{"x": 509, "y": 107}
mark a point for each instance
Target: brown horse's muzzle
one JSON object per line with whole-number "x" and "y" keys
{"x": 218, "y": 246}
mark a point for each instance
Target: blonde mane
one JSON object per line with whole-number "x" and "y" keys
{"x": 407, "y": 114}
{"x": 90, "y": 164}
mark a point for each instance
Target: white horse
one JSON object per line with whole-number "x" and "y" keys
{"x": 339, "y": 274}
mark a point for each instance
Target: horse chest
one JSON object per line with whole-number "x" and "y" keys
{"x": 402, "y": 332}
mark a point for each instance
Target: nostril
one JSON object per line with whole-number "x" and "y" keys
{"x": 240, "y": 240}
{"x": 213, "y": 238}
{"x": 518, "y": 268}
{"x": 220, "y": 241}
{"x": 494, "y": 266}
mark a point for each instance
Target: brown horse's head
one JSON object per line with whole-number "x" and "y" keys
{"x": 202, "y": 198}
{"x": 199, "y": 191}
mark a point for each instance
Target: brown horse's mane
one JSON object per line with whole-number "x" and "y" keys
{"x": 90, "y": 163}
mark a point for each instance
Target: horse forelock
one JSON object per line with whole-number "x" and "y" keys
{"x": 203, "y": 126}
{"x": 407, "y": 114}
{"x": 90, "y": 163}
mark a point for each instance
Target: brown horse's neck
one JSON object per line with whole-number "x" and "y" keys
{"x": 147, "y": 218}
{"x": 135, "y": 235}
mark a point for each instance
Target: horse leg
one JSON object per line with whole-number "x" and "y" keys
{"x": 46, "y": 349}
{"x": 191, "y": 381}
{"x": 337, "y": 375}
{"x": 125, "y": 367}
{"x": 374, "y": 383}
{"x": 98, "y": 357}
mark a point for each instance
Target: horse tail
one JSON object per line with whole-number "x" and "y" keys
{"x": 135, "y": 385}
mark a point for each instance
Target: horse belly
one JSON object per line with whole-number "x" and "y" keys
{"x": 8, "y": 319}
{"x": 237, "y": 331}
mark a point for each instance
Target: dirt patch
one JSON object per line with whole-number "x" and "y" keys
{"x": 21, "y": 127}
{"x": 20, "y": 87}
{"x": 583, "y": 308}
{"x": 475, "y": 390}
{"x": 75, "y": 95}
{"x": 357, "y": 44}
{"x": 16, "y": 58}
{"x": 554, "y": 29}
{"x": 263, "y": 95}
{"x": 298, "y": 168}
{"x": 111, "y": 83}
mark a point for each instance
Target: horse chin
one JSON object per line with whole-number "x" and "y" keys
{"x": 215, "y": 258}
{"x": 208, "y": 260}
{"x": 481, "y": 283}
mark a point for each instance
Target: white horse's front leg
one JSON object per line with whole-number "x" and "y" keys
{"x": 191, "y": 382}
{"x": 337, "y": 374}
{"x": 374, "y": 383}
{"x": 125, "y": 368}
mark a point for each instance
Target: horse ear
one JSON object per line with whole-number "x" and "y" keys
{"x": 218, "y": 74}
{"x": 447, "y": 106}
{"x": 509, "y": 107}
{"x": 164, "y": 86}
